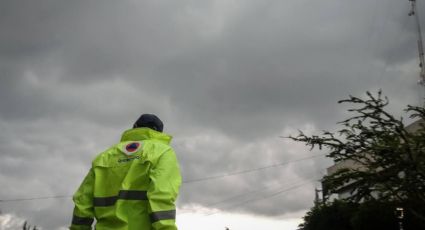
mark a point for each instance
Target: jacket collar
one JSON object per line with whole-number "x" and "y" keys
{"x": 140, "y": 134}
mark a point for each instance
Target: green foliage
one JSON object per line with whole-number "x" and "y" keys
{"x": 28, "y": 227}
{"x": 375, "y": 215}
{"x": 329, "y": 217}
{"x": 371, "y": 215}
{"x": 389, "y": 160}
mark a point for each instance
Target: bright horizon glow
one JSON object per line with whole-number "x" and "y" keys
{"x": 197, "y": 221}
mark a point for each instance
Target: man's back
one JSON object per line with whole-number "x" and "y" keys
{"x": 132, "y": 185}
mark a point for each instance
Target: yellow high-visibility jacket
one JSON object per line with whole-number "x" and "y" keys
{"x": 131, "y": 186}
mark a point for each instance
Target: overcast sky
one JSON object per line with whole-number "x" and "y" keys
{"x": 227, "y": 77}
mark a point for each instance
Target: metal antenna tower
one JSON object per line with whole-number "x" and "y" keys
{"x": 413, "y": 12}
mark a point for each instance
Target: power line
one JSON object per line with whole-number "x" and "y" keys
{"x": 262, "y": 189}
{"x": 184, "y": 182}
{"x": 36, "y": 198}
{"x": 264, "y": 197}
{"x": 250, "y": 170}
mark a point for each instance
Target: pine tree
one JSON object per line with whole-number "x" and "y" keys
{"x": 390, "y": 160}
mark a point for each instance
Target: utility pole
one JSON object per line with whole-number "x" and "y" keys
{"x": 317, "y": 200}
{"x": 413, "y": 12}
{"x": 400, "y": 216}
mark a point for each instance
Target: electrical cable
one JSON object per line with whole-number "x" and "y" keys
{"x": 264, "y": 197}
{"x": 265, "y": 188}
{"x": 184, "y": 182}
{"x": 250, "y": 170}
{"x": 35, "y": 198}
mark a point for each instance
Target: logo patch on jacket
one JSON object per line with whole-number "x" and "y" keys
{"x": 132, "y": 147}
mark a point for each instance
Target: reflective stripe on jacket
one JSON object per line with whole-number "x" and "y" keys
{"x": 132, "y": 185}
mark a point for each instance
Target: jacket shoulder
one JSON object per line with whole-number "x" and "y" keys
{"x": 108, "y": 157}
{"x": 153, "y": 150}
{"x": 148, "y": 150}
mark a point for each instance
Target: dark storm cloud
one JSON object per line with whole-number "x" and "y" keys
{"x": 227, "y": 77}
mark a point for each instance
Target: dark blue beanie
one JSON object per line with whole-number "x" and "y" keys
{"x": 149, "y": 121}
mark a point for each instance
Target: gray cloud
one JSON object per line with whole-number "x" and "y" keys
{"x": 227, "y": 77}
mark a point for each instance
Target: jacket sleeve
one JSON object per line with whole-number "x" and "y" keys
{"x": 163, "y": 191}
{"x": 83, "y": 215}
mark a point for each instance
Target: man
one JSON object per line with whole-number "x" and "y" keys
{"x": 132, "y": 185}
